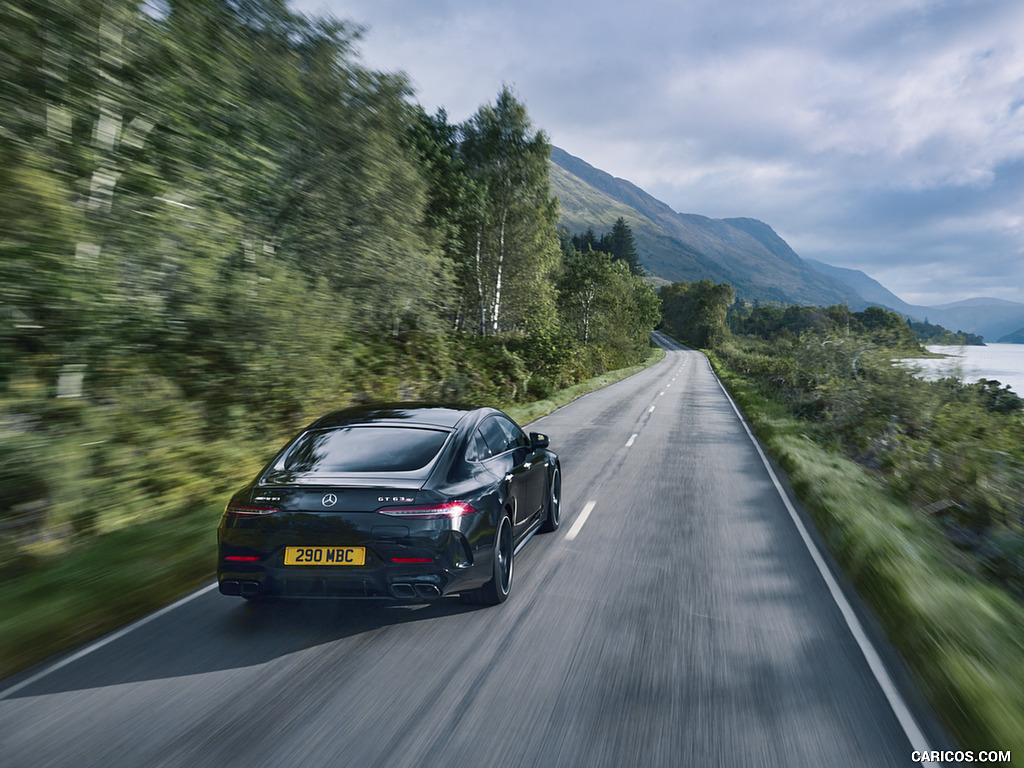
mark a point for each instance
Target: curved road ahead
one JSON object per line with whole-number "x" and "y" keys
{"x": 676, "y": 618}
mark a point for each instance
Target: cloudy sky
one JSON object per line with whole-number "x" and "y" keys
{"x": 881, "y": 135}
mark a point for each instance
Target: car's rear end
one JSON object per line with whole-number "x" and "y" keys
{"x": 334, "y": 541}
{"x": 348, "y": 511}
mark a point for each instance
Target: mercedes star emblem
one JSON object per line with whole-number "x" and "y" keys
{"x": 329, "y": 500}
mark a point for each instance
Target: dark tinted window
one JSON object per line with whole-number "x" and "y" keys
{"x": 495, "y": 437}
{"x": 478, "y": 449}
{"x": 513, "y": 434}
{"x": 363, "y": 449}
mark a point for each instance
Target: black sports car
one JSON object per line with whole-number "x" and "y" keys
{"x": 407, "y": 501}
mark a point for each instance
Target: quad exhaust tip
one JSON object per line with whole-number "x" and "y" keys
{"x": 239, "y": 587}
{"x": 428, "y": 591}
{"x": 249, "y": 589}
{"x": 407, "y": 591}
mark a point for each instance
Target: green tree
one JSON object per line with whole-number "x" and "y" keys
{"x": 603, "y": 305}
{"x": 697, "y": 312}
{"x": 584, "y": 279}
{"x": 510, "y": 244}
{"x": 623, "y": 246}
{"x": 886, "y": 328}
{"x": 619, "y": 243}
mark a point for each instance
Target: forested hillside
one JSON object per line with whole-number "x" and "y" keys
{"x": 218, "y": 224}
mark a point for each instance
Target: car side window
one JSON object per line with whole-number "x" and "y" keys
{"x": 478, "y": 449}
{"x": 514, "y": 435}
{"x": 496, "y": 438}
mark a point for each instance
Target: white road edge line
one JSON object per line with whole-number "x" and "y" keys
{"x": 577, "y": 525}
{"x": 104, "y": 641}
{"x": 632, "y": 439}
{"x": 906, "y": 719}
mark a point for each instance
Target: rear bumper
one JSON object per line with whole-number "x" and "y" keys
{"x": 409, "y": 560}
{"x": 386, "y": 584}
{"x": 452, "y": 568}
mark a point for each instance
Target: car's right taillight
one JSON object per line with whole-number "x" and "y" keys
{"x": 234, "y": 509}
{"x": 449, "y": 509}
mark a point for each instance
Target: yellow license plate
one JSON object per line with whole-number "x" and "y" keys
{"x": 324, "y": 555}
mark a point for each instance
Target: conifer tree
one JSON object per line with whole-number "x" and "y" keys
{"x": 623, "y": 246}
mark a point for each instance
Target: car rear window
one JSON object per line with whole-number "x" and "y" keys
{"x": 363, "y": 449}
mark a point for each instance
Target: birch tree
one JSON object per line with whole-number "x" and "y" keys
{"x": 511, "y": 242}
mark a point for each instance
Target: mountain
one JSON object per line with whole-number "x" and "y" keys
{"x": 746, "y": 253}
{"x": 673, "y": 246}
{"x": 583, "y": 207}
{"x": 872, "y": 290}
{"x": 1017, "y": 337}
{"x": 992, "y": 318}
{"x": 987, "y": 317}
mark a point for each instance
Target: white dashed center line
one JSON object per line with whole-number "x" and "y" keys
{"x": 578, "y": 524}
{"x": 629, "y": 443}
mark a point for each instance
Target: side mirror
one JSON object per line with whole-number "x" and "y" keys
{"x": 537, "y": 441}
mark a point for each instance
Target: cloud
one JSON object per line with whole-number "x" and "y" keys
{"x": 884, "y": 135}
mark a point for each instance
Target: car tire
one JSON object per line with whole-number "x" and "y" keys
{"x": 554, "y": 511}
{"x": 497, "y": 590}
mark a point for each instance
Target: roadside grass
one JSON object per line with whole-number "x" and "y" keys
{"x": 962, "y": 638}
{"x": 55, "y": 602}
{"x": 525, "y": 413}
{"x": 72, "y": 598}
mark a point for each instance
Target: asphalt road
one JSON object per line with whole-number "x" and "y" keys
{"x": 684, "y": 623}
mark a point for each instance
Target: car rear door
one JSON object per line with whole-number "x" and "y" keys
{"x": 527, "y": 464}
{"x": 502, "y": 453}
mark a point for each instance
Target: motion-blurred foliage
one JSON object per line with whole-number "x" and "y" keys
{"x": 217, "y": 224}
{"x": 952, "y": 451}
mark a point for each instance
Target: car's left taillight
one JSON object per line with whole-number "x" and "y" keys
{"x": 448, "y": 509}
{"x": 235, "y": 509}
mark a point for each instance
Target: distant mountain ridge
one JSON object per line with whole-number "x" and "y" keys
{"x": 995, "y": 319}
{"x": 746, "y": 253}
{"x": 868, "y": 287}
{"x": 743, "y": 252}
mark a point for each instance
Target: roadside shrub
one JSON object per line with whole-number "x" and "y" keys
{"x": 945, "y": 444}
{"x": 1002, "y": 555}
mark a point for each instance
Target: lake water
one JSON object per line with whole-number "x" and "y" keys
{"x": 1002, "y": 362}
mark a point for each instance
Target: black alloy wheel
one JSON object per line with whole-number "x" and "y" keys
{"x": 554, "y": 516}
{"x": 497, "y": 589}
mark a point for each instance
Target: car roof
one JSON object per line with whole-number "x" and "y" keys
{"x": 398, "y": 414}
